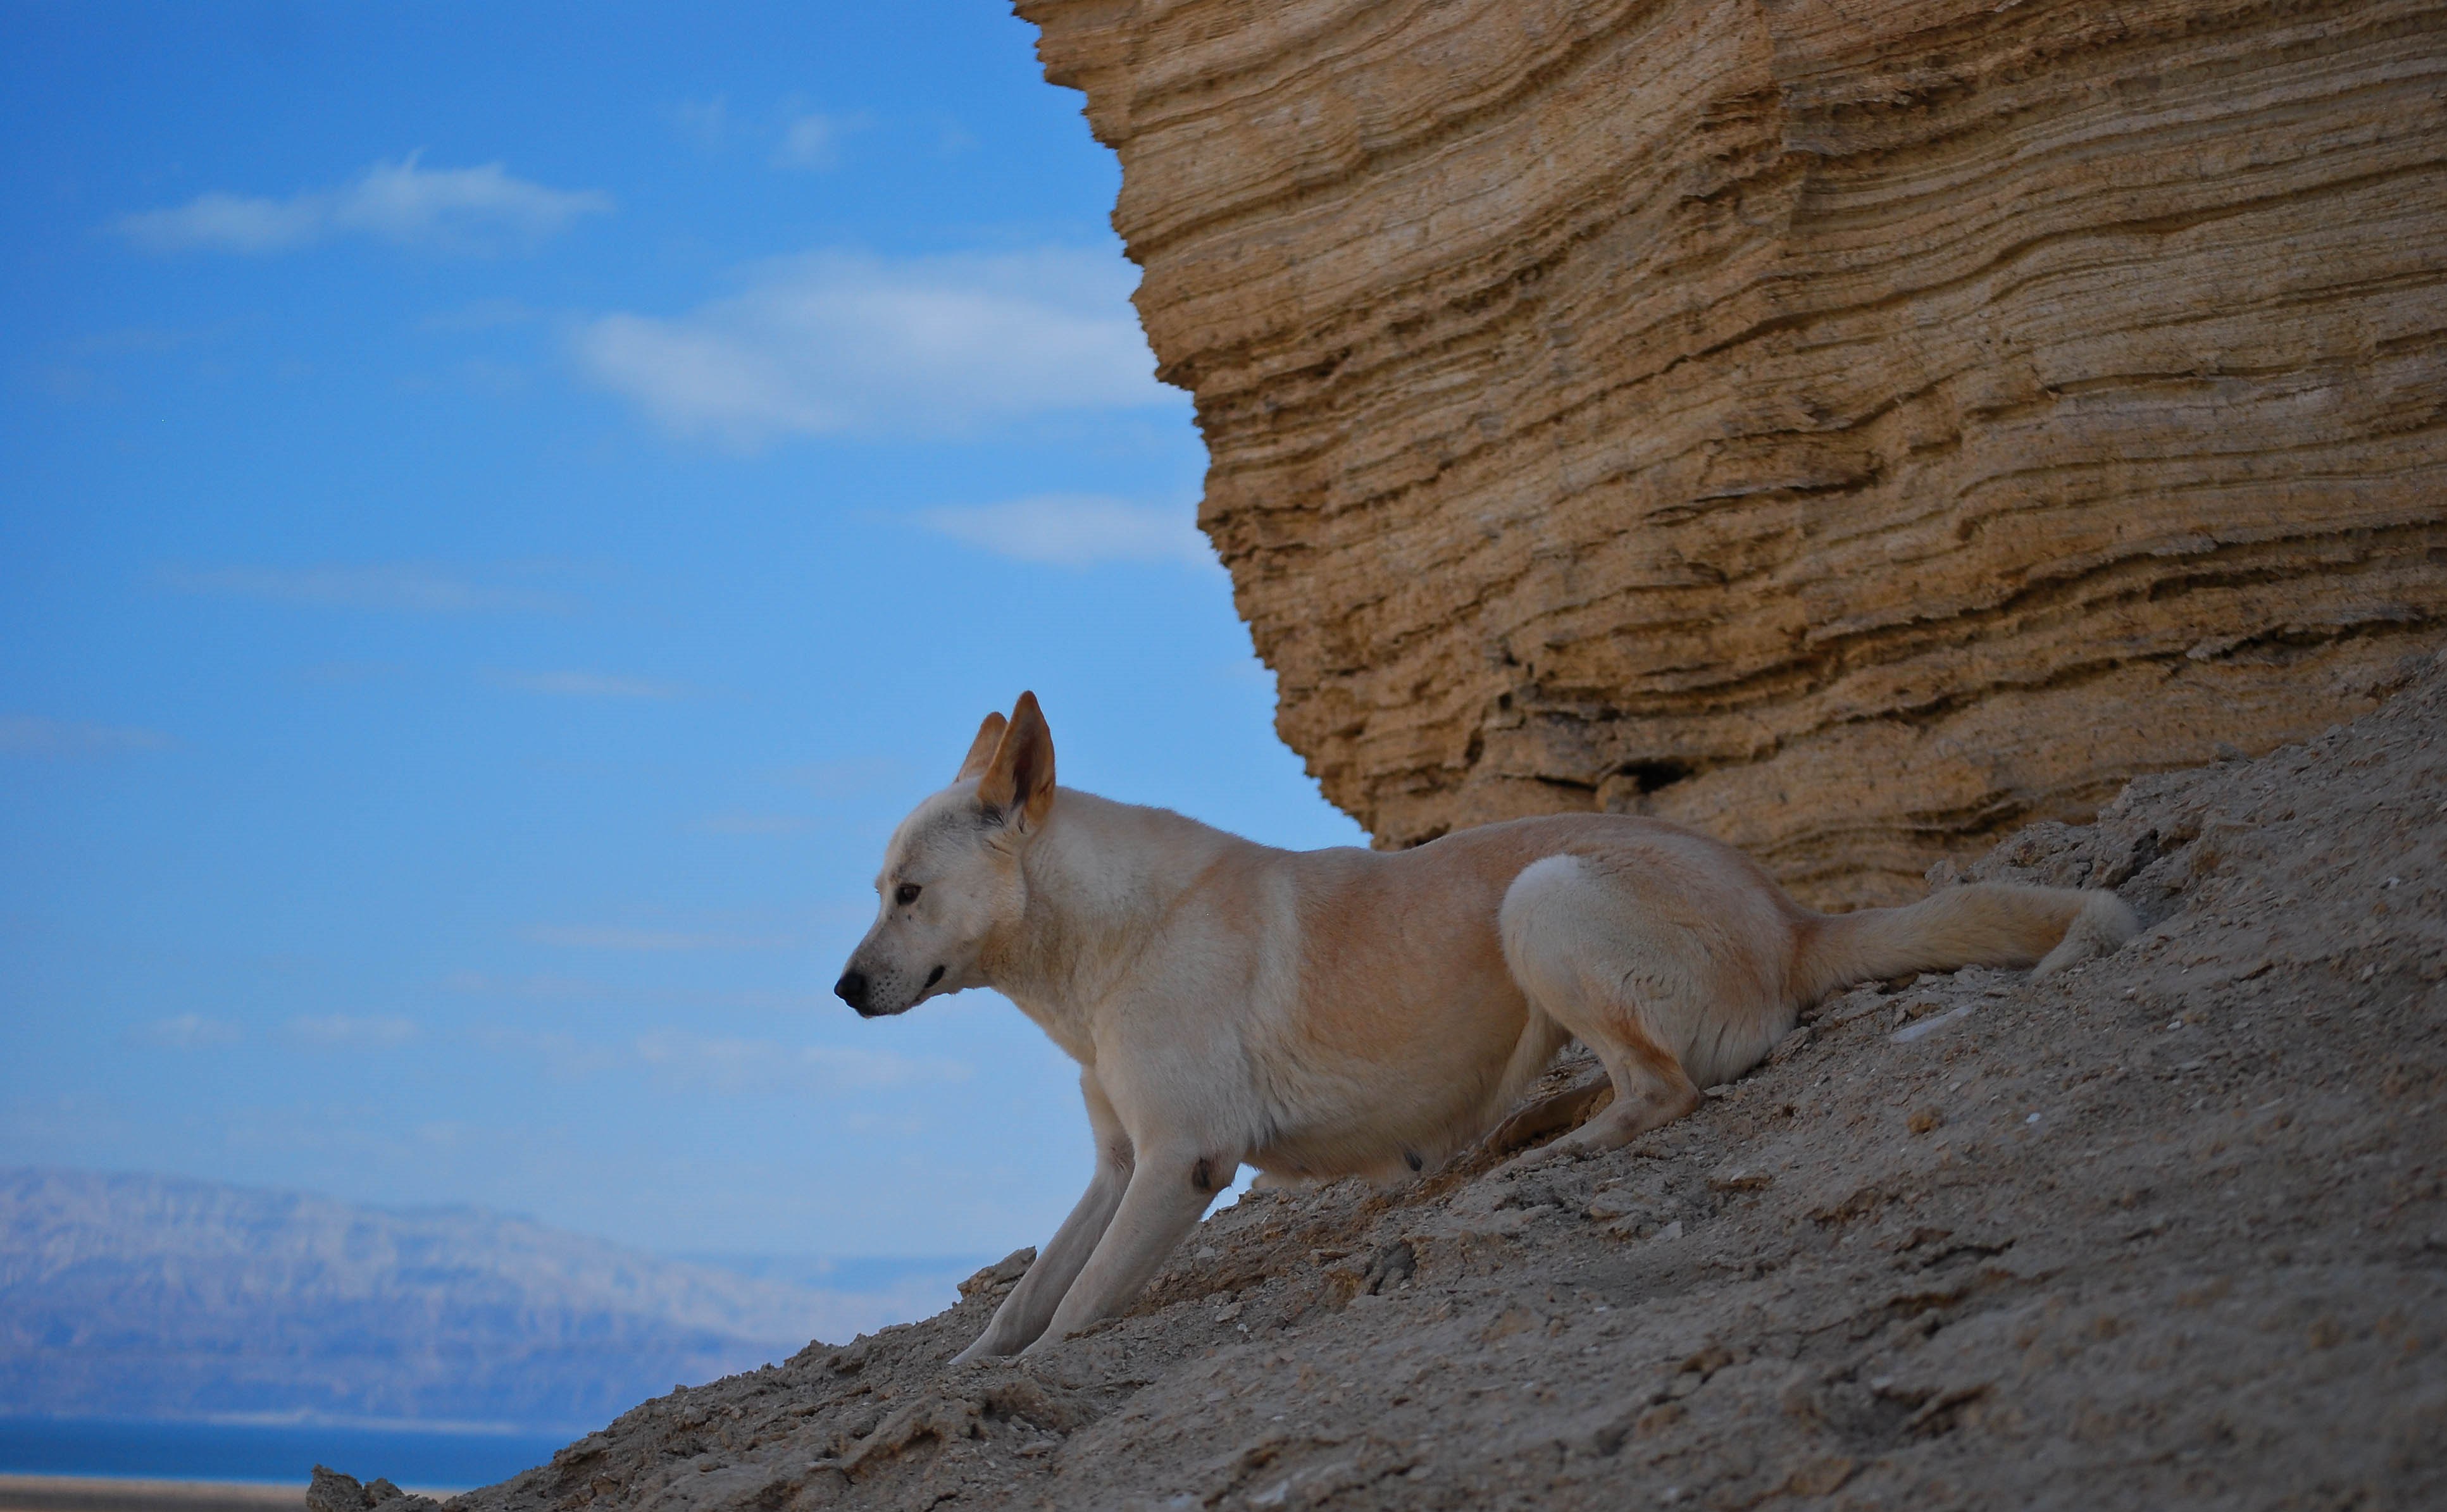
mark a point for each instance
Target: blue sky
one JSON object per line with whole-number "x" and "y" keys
{"x": 501, "y": 509}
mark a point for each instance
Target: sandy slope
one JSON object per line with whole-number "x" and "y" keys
{"x": 2166, "y": 1231}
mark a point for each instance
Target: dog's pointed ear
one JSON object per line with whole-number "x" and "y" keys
{"x": 1018, "y": 780}
{"x": 982, "y": 748}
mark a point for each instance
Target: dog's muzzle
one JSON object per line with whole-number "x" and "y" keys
{"x": 859, "y": 993}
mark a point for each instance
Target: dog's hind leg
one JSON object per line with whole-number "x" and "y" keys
{"x": 1650, "y": 1090}
{"x": 1586, "y": 962}
{"x": 1024, "y": 1313}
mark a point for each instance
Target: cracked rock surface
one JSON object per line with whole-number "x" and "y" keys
{"x": 2169, "y": 1229}
{"x": 1854, "y": 430}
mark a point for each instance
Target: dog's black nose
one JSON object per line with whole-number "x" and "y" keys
{"x": 851, "y": 989}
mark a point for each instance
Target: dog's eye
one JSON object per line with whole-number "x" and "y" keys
{"x": 906, "y": 894}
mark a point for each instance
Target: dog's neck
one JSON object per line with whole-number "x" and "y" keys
{"x": 1101, "y": 876}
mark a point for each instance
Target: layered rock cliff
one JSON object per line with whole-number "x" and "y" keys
{"x": 1854, "y": 430}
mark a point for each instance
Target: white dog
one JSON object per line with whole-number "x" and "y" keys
{"x": 1335, "y": 1013}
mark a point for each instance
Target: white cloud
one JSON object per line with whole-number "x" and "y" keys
{"x": 753, "y": 1066}
{"x": 344, "y": 1031}
{"x": 186, "y": 1031}
{"x": 1076, "y": 530}
{"x": 475, "y": 210}
{"x": 839, "y": 343}
{"x": 584, "y": 684}
{"x": 407, "y": 588}
{"x": 226, "y": 222}
{"x": 802, "y": 139}
{"x": 32, "y": 735}
{"x": 612, "y": 938}
{"x": 809, "y": 142}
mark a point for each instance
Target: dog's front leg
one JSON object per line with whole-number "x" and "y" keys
{"x": 1169, "y": 1190}
{"x": 1024, "y": 1313}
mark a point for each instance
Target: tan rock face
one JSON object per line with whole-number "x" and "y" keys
{"x": 1854, "y": 430}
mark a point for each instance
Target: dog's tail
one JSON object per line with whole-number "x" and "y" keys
{"x": 1982, "y": 924}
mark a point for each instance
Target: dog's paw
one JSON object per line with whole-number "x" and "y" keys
{"x": 983, "y": 1349}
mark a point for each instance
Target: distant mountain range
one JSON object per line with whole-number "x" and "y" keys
{"x": 160, "y": 1298}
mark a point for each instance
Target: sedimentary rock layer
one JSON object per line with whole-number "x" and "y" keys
{"x": 1854, "y": 430}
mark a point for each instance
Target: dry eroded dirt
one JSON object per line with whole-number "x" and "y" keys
{"x": 2168, "y": 1230}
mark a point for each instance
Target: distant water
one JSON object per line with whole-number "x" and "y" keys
{"x": 212, "y": 1451}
